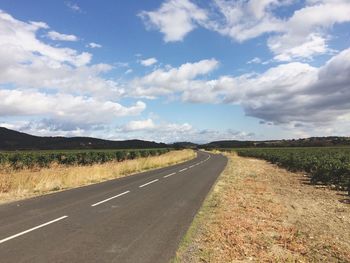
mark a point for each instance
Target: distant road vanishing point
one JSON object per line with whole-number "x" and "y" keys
{"x": 140, "y": 218}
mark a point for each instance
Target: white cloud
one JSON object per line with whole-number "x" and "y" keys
{"x": 302, "y": 35}
{"x": 139, "y": 125}
{"x": 61, "y": 37}
{"x": 39, "y": 24}
{"x": 175, "y": 19}
{"x": 129, "y": 71}
{"x": 26, "y": 61}
{"x": 167, "y": 81}
{"x": 305, "y": 33}
{"x": 255, "y": 60}
{"x": 175, "y": 132}
{"x": 57, "y": 87}
{"x": 148, "y": 62}
{"x": 243, "y": 20}
{"x": 293, "y": 94}
{"x": 94, "y": 45}
{"x": 63, "y": 107}
{"x": 73, "y": 6}
{"x": 20, "y": 38}
{"x": 287, "y": 50}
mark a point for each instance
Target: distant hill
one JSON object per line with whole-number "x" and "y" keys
{"x": 305, "y": 142}
{"x": 183, "y": 145}
{"x": 13, "y": 140}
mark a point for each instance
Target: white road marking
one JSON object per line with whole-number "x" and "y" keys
{"x": 151, "y": 182}
{"x": 165, "y": 176}
{"x": 182, "y": 170}
{"x": 191, "y": 166}
{"x": 106, "y": 200}
{"x": 32, "y": 229}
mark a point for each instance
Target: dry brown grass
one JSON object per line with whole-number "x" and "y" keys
{"x": 16, "y": 185}
{"x": 258, "y": 212}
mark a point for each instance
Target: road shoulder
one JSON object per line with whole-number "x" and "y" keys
{"x": 258, "y": 212}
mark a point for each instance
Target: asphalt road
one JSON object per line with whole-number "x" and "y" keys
{"x": 140, "y": 218}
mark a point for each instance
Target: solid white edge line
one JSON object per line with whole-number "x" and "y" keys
{"x": 32, "y": 229}
{"x": 151, "y": 182}
{"x": 182, "y": 170}
{"x": 166, "y": 176}
{"x": 106, "y": 200}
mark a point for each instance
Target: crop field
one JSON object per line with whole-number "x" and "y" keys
{"x": 41, "y": 159}
{"x": 330, "y": 166}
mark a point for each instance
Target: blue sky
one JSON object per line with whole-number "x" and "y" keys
{"x": 175, "y": 70}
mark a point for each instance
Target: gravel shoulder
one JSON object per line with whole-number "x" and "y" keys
{"x": 258, "y": 212}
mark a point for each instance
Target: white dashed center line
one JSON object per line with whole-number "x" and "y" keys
{"x": 32, "y": 229}
{"x": 166, "y": 176}
{"x": 151, "y": 182}
{"x": 106, "y": 200}
{"x": 182, "y": 170}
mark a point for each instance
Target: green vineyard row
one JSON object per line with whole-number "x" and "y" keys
{"x": 20, "y": 160}
{"x": 329, "y": 166}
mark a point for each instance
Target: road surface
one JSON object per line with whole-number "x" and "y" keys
{"x": 140, "y": 218}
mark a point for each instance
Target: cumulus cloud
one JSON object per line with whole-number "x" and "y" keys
{"x": 293, "y": 94}
{"x": 59, "y": 106}
{"x": 128, "y": 71}
{"x": 255, "y": 60}
{"x": 20, "y": 38}
{"x": 297, "y": 93}
{"x": 305, "y": 32}
{"x": 243, "y": 20}
{"x": 175, "y": 19}
{"x": 290, "y": 94}
{"x": 148, "y": 62}
{"x": 55, "y": 86}
{"x": 61, "y": 37}
{"x": 174, "y": 132}
{"x": 301, "y": 35}
{"x": 167, "y": 81}
{"x": 26, "y": 61}
{"x": 141, "y": 125}
{"x": 94, "y": 45}
{"x": 73, "y": 6}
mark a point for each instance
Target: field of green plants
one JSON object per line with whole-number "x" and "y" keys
{"x": 30, "y": 159}
{"x": 329, "y": 166}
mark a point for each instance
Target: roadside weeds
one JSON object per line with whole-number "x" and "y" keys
{"x": 258, "y": 212}
{"x": 16, "y": 185}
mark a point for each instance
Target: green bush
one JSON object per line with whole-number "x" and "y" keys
{"x": 21, "y": 160}
{"x": 325, "y": 165}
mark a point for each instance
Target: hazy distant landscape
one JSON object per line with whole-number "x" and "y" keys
{"x": 11, "y": 140}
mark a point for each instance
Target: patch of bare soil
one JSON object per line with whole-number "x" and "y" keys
{"x": 258, "y": 212}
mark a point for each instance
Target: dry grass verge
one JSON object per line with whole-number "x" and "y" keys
{"x": 16, "y": 185}
{"x": 258, "y": 212}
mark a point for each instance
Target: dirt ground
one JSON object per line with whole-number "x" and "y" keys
{"x": 258, "y": 212}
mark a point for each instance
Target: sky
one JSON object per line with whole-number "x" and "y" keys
{"x": 176, "y": 70}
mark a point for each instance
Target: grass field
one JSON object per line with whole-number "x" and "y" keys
{"x": 26, "y": 182}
